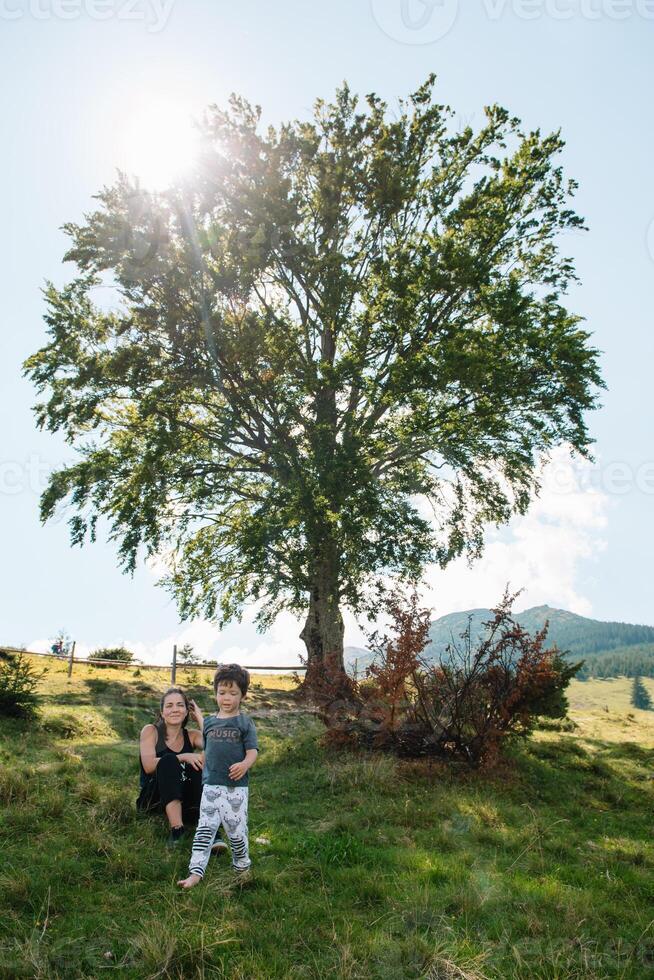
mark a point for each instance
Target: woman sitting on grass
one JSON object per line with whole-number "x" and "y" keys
{"x": 171, "y": 771}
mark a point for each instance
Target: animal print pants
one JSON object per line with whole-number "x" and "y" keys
{"x": 227, "y": 806}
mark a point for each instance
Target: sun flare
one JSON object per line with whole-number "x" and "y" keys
{"x": 158, "y": 142}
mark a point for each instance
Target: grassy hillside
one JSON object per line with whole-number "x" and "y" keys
{"x": 374, "y": 867}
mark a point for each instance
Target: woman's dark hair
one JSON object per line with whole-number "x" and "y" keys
{"x": 159, "y": 721}
{"x": 232, "y": 672}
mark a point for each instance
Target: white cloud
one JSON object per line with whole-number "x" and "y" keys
{"x": 541, "y": 550}
{"x": 40, "y": 646}
{"x": 238, "y": 642}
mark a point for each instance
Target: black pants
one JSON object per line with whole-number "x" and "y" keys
{"x": 172, "y": 780}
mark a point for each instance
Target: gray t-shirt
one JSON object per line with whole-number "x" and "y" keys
{"x": 225, "y": 742}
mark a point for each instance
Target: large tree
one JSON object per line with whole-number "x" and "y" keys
{"x": 328, "y": 323}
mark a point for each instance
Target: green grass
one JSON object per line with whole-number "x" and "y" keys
{"x": 376, "y": 868}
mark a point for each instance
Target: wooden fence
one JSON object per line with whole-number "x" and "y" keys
{"x": 173, "y": 667}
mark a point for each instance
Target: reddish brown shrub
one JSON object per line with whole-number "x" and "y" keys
{"x": 464, "y": 706}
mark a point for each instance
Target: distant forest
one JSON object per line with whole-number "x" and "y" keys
{"x": 628, "y": 661}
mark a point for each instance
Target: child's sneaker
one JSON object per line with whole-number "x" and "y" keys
{"x": 219, "y": 847}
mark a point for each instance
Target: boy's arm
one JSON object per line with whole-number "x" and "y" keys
{"x": 251, "y": 750}
{"x": 250, "y": 745}
{"x": 239, "y": 769}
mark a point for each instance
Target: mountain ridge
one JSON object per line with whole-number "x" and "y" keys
{"x": 606, "y": 644}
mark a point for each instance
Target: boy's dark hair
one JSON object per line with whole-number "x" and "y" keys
{"x": 232, "y": 672}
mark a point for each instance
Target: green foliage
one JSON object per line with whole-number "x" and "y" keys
{"x": 628, "y": 661}
{"x": 185, "y": 655}
{"x": 120, "y": 654}
{"x": 552, "y": 700}
{"x": 18, "y": 683}
{"x": 640, "y": 695}
{"x": 331, "y": 318}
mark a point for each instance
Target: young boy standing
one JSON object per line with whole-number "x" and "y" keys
{"x": 230, "y": 740}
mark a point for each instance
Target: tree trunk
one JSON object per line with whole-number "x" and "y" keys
{"x": 323, "y": 632}
{"x": 325, "y": 680}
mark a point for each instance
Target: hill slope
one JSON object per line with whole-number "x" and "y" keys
{"x": 363, "y": 866}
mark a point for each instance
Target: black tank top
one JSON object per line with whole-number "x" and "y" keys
{"x": 162, "y": 749}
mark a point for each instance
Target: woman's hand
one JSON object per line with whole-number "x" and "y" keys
{"x": 196, "y": 714}
{"x": 191, "y": 758}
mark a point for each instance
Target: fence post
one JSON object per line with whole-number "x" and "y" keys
{"x": 173, "y": 673}
{"x": 70, "y": 659}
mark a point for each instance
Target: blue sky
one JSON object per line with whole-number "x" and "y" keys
{"x": 78, "y": 77}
